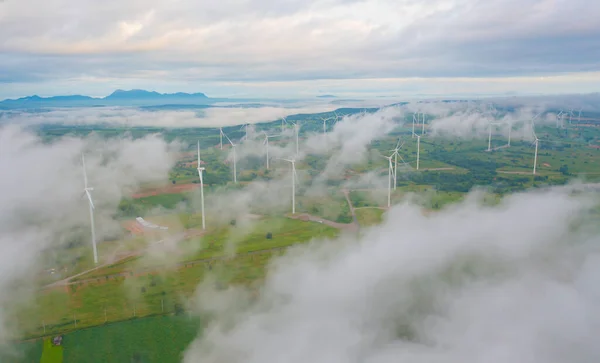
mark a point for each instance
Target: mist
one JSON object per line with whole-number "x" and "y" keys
{"x": 42, "y": 207}
{"x": 473, "y": 283}
{"x": 134, "y": 117}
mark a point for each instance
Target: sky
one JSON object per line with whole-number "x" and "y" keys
{"x": 299, "y": 48}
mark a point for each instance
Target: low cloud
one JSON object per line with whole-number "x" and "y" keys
{"x": 42, "y": 208}
{"x": 453, "y": 286}
{"x": 132, "y": 117}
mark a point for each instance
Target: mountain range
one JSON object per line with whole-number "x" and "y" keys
{"x": 135, "y": 97}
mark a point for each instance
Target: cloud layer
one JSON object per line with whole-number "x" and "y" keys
{"x": 92, "y": 45}
{"x": 41, "y": 206}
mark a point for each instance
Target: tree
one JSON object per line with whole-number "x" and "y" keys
{"x": 564, "y": 169}
{"x": 269, "y": 235}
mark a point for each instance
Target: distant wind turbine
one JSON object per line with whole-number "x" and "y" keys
{"x": 234, "y": 158}
{"x": 200, "y": 170}
{"x": 86, "y": 191}
{"x": 395, "y": 155}
{"x": 294, "y": 178}
{"x": 390, "y": 174}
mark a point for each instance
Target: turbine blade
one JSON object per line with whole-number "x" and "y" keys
{"x": 85, "y": 180}
{"x": 198, "y": 153}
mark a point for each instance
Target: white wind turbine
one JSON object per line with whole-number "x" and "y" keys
{"x": 221, "y": 136}
{"x": 536, "y": 141}
{"x": 390, "y": 174}
{"x": 294, "y": 178}
{"x": 490, "y": 124}
{"x": 395, "y": 155}
{"x": 234, "y": 158}
{"x": 200, "y": 170}
{"x": 571, "y": 117}
{"x": 325, "y": 128}
{"x": 245, "y": 127}
{"x": 266, "y": 143}
{"x": 559, "y": 119}
{"x": 418, "y": 148}
{"x": 579, "y": 118}
{"x": 86, "y": 191}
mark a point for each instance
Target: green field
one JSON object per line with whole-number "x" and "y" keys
{"x": 159, "y": 339}
{"x": 141, "y": 286}
{"x": 52, "y": 353}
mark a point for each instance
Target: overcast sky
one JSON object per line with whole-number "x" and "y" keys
{"x": 299, "y": 47}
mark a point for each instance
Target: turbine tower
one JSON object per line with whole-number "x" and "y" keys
{"x": 200, "y": 170}
{"x": 221, "y": 136}
{"x": 266, "y": 143}
{"x": 86, "y": 191}
{"x": 294, "y": 177}
{"x": 537, "y": 142}
{"x": 390, "y": 174}
{"x": 325, "y": 128}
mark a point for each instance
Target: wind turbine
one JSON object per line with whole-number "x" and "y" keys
{"x": 390, "y": 173}
{"x": 245, "y": 127}
{"x": 325, "y": 128}
{"x": 490, "y": 124}
{"x": 537, "y": 142}
{"x": 579, "y": 118}
{"x": 395, "y": 155}
{"x": 200, "y": 170}
{"x": 294, "y": 177}
{"x": 559, "y": 119}
{"x": 571, "y": 117}
{"x": 234, "y": 158}
{"x": 221, "y": 136}
{"x": 86, "y": 191}
{"x": 296, "y": 131}
{"x": 266, "y": 143}
{"x": 418, "y": 149}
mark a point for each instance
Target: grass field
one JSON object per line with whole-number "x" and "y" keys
{"x": 333, "y": 207}
{"x": 51, "y": 353}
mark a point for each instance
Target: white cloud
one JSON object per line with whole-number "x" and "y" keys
{"x": 261, "y": 41}
{"x": 41, "y": 206}
{"x": 208, "y": 117}
{"x": 454, "y": 286}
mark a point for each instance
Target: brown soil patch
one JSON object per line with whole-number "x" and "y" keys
{"x": 546, "y": 165}
{"x": 134, "y": 228}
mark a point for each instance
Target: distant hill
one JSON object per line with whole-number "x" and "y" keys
{"x": 136, "y": 97}
{"x": 139, "y": 94}
{"x": 326, "y": 96}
